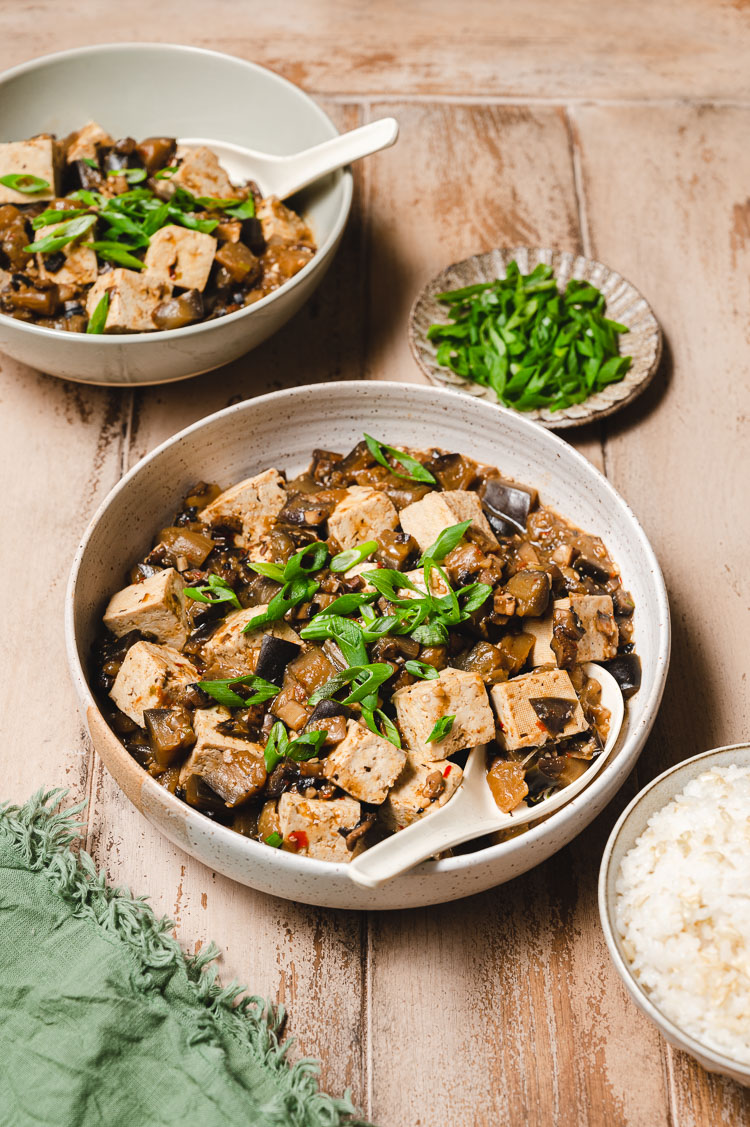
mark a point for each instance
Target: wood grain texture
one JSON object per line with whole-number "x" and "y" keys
{"x": 692, "y": 258}
{"x": 571, "y": 49}
{"x": 503, "y": 1010}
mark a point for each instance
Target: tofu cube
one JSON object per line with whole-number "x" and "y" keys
{"x": 541, "y": 631}
{"x": 520, "y": 726}
{"x": 80, "y": 267}
{"x": 235, "y": 769}
{"x": 151, "y": 676}
{"x": 35, "y": 157}
{"x": 254, "y": 503}
{"x": 231, "y": 651}
{"x": 426, "y": 519}
{"x": 82, "y": 144}
{"x": 597, "y": 617}
{"x": 420, "y": 789}
{"x": 154, "y": 607}
{"x": 438, "y": 586}
{"x": 281, "y": 226}
{"x": 321, "y": 826}
{"x": 201, "y": 174}
{"x": 453, "y": 693}
{"x": 133, "y": 299}
{"x": 362, "y": 515}
{"x": 364, "y": 764}
{"x": 181, "y": 257}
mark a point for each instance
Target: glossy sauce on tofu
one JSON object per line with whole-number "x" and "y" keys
{"x": 310, "y": 660}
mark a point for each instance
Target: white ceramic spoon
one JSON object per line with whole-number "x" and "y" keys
{"x": 472, "y": 811}
{"x": 283, "y": 176}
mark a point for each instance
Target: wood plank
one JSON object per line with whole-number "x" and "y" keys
{"x": 491, "y": 1000}
{"x": 307, "y": 959}
{"x": 490, "y": 48}
{"x": 45, "y": 424}
{"x": 667, "y": 196}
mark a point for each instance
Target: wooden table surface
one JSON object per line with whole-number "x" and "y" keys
{"x": 619, "y": 130}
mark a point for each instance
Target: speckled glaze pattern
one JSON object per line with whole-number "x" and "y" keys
{"x": 627, "y": 830}
{"x": 624, "y": 304}
{"x": 282, "y": 429}
{"x": 140, "y": 92}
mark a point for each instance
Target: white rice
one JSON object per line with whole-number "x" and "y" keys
{"x": 683, "y": 910}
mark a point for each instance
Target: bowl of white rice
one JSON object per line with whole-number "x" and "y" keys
{"x": 674, "y": 898}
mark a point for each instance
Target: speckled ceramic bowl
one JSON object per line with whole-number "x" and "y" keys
{"x": 146, "y": 89}
{"x": 282, "y": 429}
{"x": 628, "y": 829}
{"x": 624, "y": 304}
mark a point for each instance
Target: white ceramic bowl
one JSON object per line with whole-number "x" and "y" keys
{"x": 143, "y": 89}
{"x": 627, "y": 830}
{"x": 282, "y": 429}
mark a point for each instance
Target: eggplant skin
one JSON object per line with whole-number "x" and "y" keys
{"x": 275, "y": 654}
{"x": 626, "y": 670}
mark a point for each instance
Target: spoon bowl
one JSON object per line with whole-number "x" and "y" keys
{"x": 285, "y": 175}
{"x": 472, "y": 811}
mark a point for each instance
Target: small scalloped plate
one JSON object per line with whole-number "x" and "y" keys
{"x": 624, "y": 304}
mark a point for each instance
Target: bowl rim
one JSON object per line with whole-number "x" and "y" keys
{"x": 289, "y": 861}
{"x": 668, "y": 1027}
{"x": 343, "y": 176}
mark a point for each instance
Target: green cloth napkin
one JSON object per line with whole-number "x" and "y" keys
{"x": 105, "y": 1020}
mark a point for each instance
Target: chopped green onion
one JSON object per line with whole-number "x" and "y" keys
{"x": 98, "y": 318}
{"x": 415, "y": 470}
{"x": 276, "y": 746}
{"x": 132, "y": 175}
{"x": 166, "y": 173}
{"x": 25, "y": 182}
{"x": 216, "y": 591}
{"x": 532, "y": 345}
{"x": 116, "y": 252}
{"x": 369, "y": 678}
{"x": 290, "y": 595}
{"x": 353, "y": 556}
{"x": 65, "y": 233}
{"x": 90, "y": 162}
{"x": 270, "y": 570}
{"x": 422, "y": 670}
{"x": 53, "y": 215}
{"x": 275, "y": 840}
{"x": 441, "y": 729}
{"x": 387, "y": 727}
{"x": 222, "y": 692}
{"x": 448, "y": 539}
{"x": 310, "y": 559}
{"x": 347, "y": 604}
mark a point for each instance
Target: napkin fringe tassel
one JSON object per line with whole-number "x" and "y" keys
{"x": 43, "y": 833}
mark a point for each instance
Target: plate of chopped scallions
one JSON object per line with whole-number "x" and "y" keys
{"x": 559, "y": 337}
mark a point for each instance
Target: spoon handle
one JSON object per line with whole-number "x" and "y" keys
{"x": 455, "y": 823}
{"x": 303, "y": 168}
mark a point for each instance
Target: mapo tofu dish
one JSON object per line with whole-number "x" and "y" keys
{"x": 99, "y": 235}
{"x": 309, "y": 661}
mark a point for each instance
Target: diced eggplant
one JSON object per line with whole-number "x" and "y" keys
{"x": 42, "y": 302}
{"x": 307, "y": 510}
{"x": 170, "y": 733}
{"x": 487, "y": 660}
{"x": 142, "y": 571}
{"x": 507, "y": 784}
{"x": 397, "y": 550}
{"x": 180, "y": 310}
{"x": 123, "y": 154}
{"x": 507, "y": 506}
{"x": 156, "y": 153}
{"x": 554, "y": 712}
{"x": 626, "y": 670}
{"x": 623, "y": 602}
{"x": 239, "y": 261}
{"x": 595, "y": 569}
{"x": 453, "y": 471}
{"x": 275, "y": 654}
{"x": 252, "y": 235}
{"x": 79, "y": 174}
{"x": 182, "y": 545}
{"x": 531, "y": 590}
